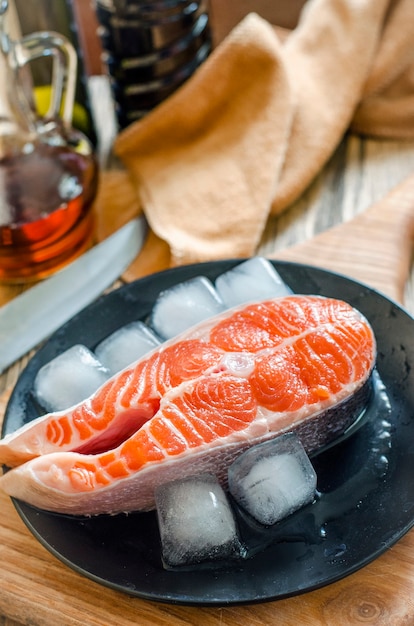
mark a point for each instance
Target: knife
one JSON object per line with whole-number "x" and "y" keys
{"x": 36, "y": 313}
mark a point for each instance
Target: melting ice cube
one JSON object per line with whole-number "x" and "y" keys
{"x": 255, "y": 279}
{"x": 196, "y": 522}
{"x": 69, "y": 378}
{"x": 274, "y": 479}
{"x": 125, "y": 346}
{"x": 179, "y": 307}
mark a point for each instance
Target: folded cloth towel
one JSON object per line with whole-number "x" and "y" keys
{"x": 249, "y": 131}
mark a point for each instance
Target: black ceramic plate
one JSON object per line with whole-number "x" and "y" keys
{"x": 368, "y": 491}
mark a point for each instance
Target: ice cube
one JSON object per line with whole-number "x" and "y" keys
{"x": 69, "y": 378}
{"x": 196, "y": 522}
{"x": 126, "y": 345}
{"x": 179, "y": 307}
{"x": 254, "y": 279}
{"x": 273, "y": 479}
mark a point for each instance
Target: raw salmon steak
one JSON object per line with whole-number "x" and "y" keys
{"x": 192, "y": 405}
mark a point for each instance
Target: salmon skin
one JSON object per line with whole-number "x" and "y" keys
{"x": 297, "y": 363}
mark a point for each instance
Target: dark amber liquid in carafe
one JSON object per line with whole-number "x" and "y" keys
{"x": 46, "y": 218}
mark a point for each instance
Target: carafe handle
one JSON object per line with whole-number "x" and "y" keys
{"x": 63, "y": 78}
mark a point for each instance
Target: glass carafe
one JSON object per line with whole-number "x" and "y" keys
{"x": 48, "y": 171}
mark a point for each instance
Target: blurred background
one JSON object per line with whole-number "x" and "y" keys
{"x": 225, "y": 14}
{"x": 78, "y": 21}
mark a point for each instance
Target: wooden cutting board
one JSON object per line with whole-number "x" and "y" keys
{"x": 37, "y": 589}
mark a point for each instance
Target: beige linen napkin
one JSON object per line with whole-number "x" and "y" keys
{"x": 249, "y": 131}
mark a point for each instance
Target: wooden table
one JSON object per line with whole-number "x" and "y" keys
{"x": 346, "y": 221}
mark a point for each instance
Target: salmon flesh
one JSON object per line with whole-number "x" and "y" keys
{"x": 192, "y": 405}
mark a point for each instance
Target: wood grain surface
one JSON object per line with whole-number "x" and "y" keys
{"x": 37, "y": 589}
{"x": 374, "y": 247}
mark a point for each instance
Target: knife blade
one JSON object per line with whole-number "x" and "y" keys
{"x": 34, "y": 315}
